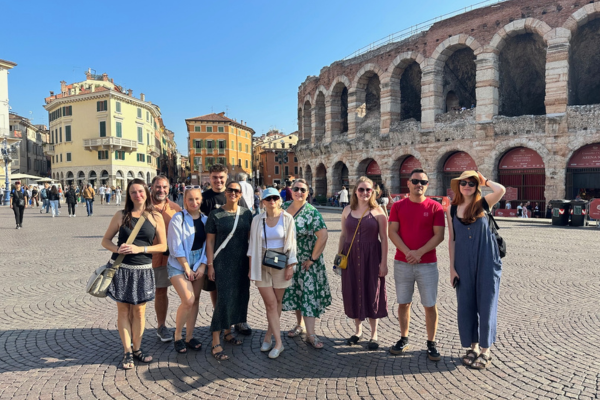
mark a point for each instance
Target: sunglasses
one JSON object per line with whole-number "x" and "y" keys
{"x": 417, "y": 181}
{"x": 470, "y": 183}
{"x": 299, "y": 189}
{"x": 271, "y": 198}
{"x": 362, "y": 190}
{"x": 236, "y": 191}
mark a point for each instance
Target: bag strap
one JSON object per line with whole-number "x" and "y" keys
{"x": 452, "y": 214}
{"x": 222, "y": 246}
{"x": 298, "y": 212}
{"x": 356, "y": 231}
{"x": 130, "y": 239}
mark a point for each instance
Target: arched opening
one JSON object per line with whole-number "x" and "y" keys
{"x": 300, "y": 131}
{"x": 80, "y": 178}
{"x": 130, "y": 177}
{"x": 523, "y": 169}
{"x": 522, "y": 76}
{"x": 320, "y": 117}
{"x": 340, "y": 177}
{"x": 308, "y": 175}
{"x": 368, "y": 96}
{"x": 339, "y": 110}
{"x": 410, "y": 92}
{"x": 584, "y": 79}
{"x": 119, "y": 181}
{"x": 370, "y": 168}
{"x": 583, "y": 173}
{"x": 92, "y": 178}
{"x": 148, "y": 179}
{"x": 70, "y": 178}
{"x": 373, "y": 94}
{"x": 455, "y": 165}
{"x": 307, "y": 121}
{"x": 459, "y": 79}
{"x": 140, "y": 175}
{"x": 321, "y": 184}
{"x": 104, "y": 177}
{"x": 408, "y": 165}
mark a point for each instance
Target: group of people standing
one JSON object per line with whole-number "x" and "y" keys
{"x": 217, "y": 245}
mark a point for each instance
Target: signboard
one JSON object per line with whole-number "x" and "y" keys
{"x": 595, "y": 209}
{"x": 409, "y": 164}
{"x": 521, "y": 158}
{"x": 586, "y": 157}
{"x": 373, "y": 168}
{"x": 511, "y": 194}
{"x": 459, "y": 162}
{"x": 503, "y": 212}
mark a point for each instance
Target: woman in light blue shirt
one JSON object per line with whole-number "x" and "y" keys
{"x": 187, "y": 266}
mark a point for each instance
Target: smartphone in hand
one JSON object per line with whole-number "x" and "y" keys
{"x": 455, "y": 282}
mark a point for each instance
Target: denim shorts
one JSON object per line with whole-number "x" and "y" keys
{"x": 192, "y": 258}
{"x": 425, "y": 275}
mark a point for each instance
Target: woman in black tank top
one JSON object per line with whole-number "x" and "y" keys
{"x": 133, "y": 283}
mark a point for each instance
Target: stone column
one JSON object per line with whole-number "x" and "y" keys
{"x": 332, "y": 123}
{"x": 353, "y": 118}
{"x": 431, "y": 94}
{"x": 486, "y": 88}
{"x": 557, "y": 71}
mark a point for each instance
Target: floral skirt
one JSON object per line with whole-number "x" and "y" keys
{"x": 132, "y": 284}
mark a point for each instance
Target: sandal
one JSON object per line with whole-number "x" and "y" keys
{"x": 315, "y": 342}
{"x": 194, "y": 344}
{"x": 233, "y": 340}
{"x": 483, "y": 361}
{"x": 469, "y": 358}
{"x": 353, "y": 340}
{"x": 220, "y": 355}
{"x": 127, "y": 362}
{"x": 373, "y": 344}
{"x": 141, "y": 356}
{"x": 298, "y": 329}
{"x": 180, "y": 346}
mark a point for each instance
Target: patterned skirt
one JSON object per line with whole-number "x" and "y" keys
{"x": 132, "y": 284}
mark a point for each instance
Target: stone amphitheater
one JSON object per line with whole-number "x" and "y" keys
{"x": 511, "y": 89}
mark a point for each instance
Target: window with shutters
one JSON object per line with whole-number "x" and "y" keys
{"x": 277, "y": 170}
{"x": 209, "y": 145}
{"x": 60, "y": 135}
{"x": 222, "y": 160}
{"x": 222, "y": 144}
{"x": 295, "y": 159}
{"x": 286, "y": 170}
{"x": 210, "y": 161}
{"x": 102, "y": 128}
{"x": 246, "y": 164}
{"x": 68, "y": 133}
{"x": 296, "y": 170}
{"x": 28, "y": 160}
{"x": 119, "y": 155}
{"x": 118, "y": 106}
{"x": 103, "y": 155}
{"x": 140, "y": 132}
{"x": 147, "y": 116}
{"x": 232, "y": 161}
{"x": 246, "y": 148}
{"x": 209, "y": 129}
{"x": 119, "y": 129}
{"x": 221, "y": 129}
{"x": 141, "y": 157}
{"x": 149, "y": 159}
{"x": 239, "y": 162}
{"x": 232, "y": 145}
{"x": 197, "y": 128}
{"x": 139, "y": 113}
{"x": 239, "y": 147}
{"x": 197, "y": 163}
{"x": 102, "y": 105}
{"x": 67, "y": 110}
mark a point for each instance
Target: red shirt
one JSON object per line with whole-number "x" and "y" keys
{"x": 416, "y": 222}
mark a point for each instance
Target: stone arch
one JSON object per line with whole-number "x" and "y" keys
{"x": 62, "y": 176}
{"x": 340, "y": 176}
{"x": 80, "y": 177}
{"x": 581, "y": 17}
{"x": 321, "y": 181}
{"x": 92, "y": 177}
{"x": 439, "y": 180}
{"x": 140, "y": 175}
{"x": 300, "y": 130}
{"x": 308, "y": 175}
{"x": 519, "y": 167}
{"x": 319, "y": 115}
{"x": 519, "y": 27}
{"x": 396, "y": 183}
{"x": 69, "y": 175}
{"x": 321, "y": 89}
{"x": 366, "y": 99}
{"x": 583, "y": 170}
{"x": 148, "y": 178}
{"x": 338, "y": 106}
{"x": 501, "y": 148}
{"x": 307, "y": 119}
{"x": 403, "y": 77}
{"x": 104, "y": 177}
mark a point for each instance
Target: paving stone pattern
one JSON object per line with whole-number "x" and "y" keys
{"x": 56, "y": 342}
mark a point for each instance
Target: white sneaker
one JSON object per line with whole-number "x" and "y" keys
{"x": 266, "y": 347}
{"x": 275, "y": 352}
{"x": 70, "y": 215}
{"x": 74, "y": 215}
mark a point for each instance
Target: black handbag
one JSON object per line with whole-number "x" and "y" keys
{"x": 272, "y": 258}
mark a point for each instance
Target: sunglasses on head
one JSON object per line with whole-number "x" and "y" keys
{"x": 362, "y": 190}
{"x": 421, "y": 181}
{"x": 470, "y": 183}
{"x": 299, "y": 189}
{"x": 236, "y": 191}
{"x": 271, "y": 198}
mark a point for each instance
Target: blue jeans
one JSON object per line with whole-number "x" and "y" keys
{"x": 46, "y": 205}
{"x": 107, "y": 198}
{"x": 54, "y": 204}
{"x": 89, "y": 205}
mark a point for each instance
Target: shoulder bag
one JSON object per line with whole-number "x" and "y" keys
{"x": 272, "y": 258}
{"x": 101, "y": 278}
{"x": 341, "y": 260}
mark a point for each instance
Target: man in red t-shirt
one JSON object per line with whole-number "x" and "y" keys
{"x": 416, "y": 227}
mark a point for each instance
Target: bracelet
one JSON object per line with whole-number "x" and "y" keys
{"x": 486, "y": 181}
{"x": 145, "y": 249}
{"x": 209, "y": 264}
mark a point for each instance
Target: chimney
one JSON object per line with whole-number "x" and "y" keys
{"x": 142, "y": 97}
{"x": 88, "y": 74}
{"x": 63, "y": 86}
{"x": 129, "y": 92}
{"x": 222, "y": 114}
{"x": 51, "y": 93}
{"x": 242, "y": 121}
{"x": 105, "y": 77}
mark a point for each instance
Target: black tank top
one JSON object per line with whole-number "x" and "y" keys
{"x": 145, "y": 237}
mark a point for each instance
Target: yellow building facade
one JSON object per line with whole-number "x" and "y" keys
{"x": 214, "y": 138}
{"x": 101, "y": 134}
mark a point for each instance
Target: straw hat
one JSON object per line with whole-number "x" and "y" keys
{"x": 455, "y": 184}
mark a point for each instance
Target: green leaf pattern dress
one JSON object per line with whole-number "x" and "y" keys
{"x": 309, "y": 291}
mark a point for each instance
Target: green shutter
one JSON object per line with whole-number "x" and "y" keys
{"x": 140, "y": 134}
{"x": 97, "y": 106}
{"x": 68, "y": 133}
{"x": 102, "y": 128}
{"x": 119, "y": 130}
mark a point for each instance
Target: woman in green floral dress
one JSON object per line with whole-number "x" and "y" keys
{"x": 309, "y": 293}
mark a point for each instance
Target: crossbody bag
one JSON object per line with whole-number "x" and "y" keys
{"x": 272, "y": 258}
{"x": 341, "y": 260}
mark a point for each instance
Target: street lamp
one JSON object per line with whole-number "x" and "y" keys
{"x": 281, "y": 157}
{"x": 6, "y": 156}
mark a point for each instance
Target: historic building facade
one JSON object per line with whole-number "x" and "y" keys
{"x": 510, "y": 89}
{"x": 267, "y": 149}
{"x": 31, "y": 159}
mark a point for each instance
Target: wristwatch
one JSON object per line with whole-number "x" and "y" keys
{"x": 311, "y": 259}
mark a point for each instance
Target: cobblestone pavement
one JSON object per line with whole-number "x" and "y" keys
{"x": 57, "y": 342}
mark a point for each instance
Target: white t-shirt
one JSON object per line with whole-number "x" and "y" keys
{"x": 275, "y": 235}
{"x": 248, "y": 194}
{"x": 107, "y": 190}
{"x": 102, "y": 190}
{"x": 344, "y": 196}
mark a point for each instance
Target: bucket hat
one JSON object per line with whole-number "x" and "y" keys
{"x": 270, "y": 192}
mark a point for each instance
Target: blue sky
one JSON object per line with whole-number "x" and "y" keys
{"x": 195, "y": 57}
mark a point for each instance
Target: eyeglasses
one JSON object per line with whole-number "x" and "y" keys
{"x": 421, "y": 181}
{"x": 299, "y": 189}
{"x": 362, "y": 190}
{"x": 271, "y": 198}
{"x": 470, "y": 183}
{"x": 236, "y": 191}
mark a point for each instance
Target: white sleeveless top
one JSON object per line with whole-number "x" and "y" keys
{"x": 275, "y": 235}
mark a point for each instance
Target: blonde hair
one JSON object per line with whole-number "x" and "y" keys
{"x": 190, "y": 190}
{"x": 354, "y": 199}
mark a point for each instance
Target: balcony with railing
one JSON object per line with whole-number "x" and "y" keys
{"x": 153, "y": 150}
{"x": 49, "y": 150}
{"x": 110, "y": 143}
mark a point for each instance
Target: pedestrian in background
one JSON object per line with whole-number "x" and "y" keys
{"x": 274, "y": 230}
{"x": 256, "y": 201}
{"x": 363, "y": 281}
{"x": 520, "y": 210}
{"x": 53, "y": 197}
{"x": 343, "y": 197}
{"x": 35, "y": 196}
{"x": 102, "y": 193}
{"x": 108, "y": 193}
{"x": 44, "y": 195}
{"x": 475, "y": 265}
{"x": 118, "y": 195}
{"x": 309, "y": 294}
{"x": 71, "y": 198}
{"x": 133, "y": 284}
{"x": 89, "y": 194}
{"x": 247, "y": 191}
{"x": 18, "y": 203}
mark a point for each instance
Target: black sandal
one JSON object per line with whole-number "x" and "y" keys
{"x": 483, "y": 361}
{"x": 180, "y": 346}
{"x": 469, "y": 358}
{"x": 373, "y": 344}
{"x": 353, "y": 340}
{"x": 127, "y": 360}
{"x": 233, "y": 340}
{"x": 141, "y": 356}
{"x": 219, "y": 356}
{"x": 194, "y": 344}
